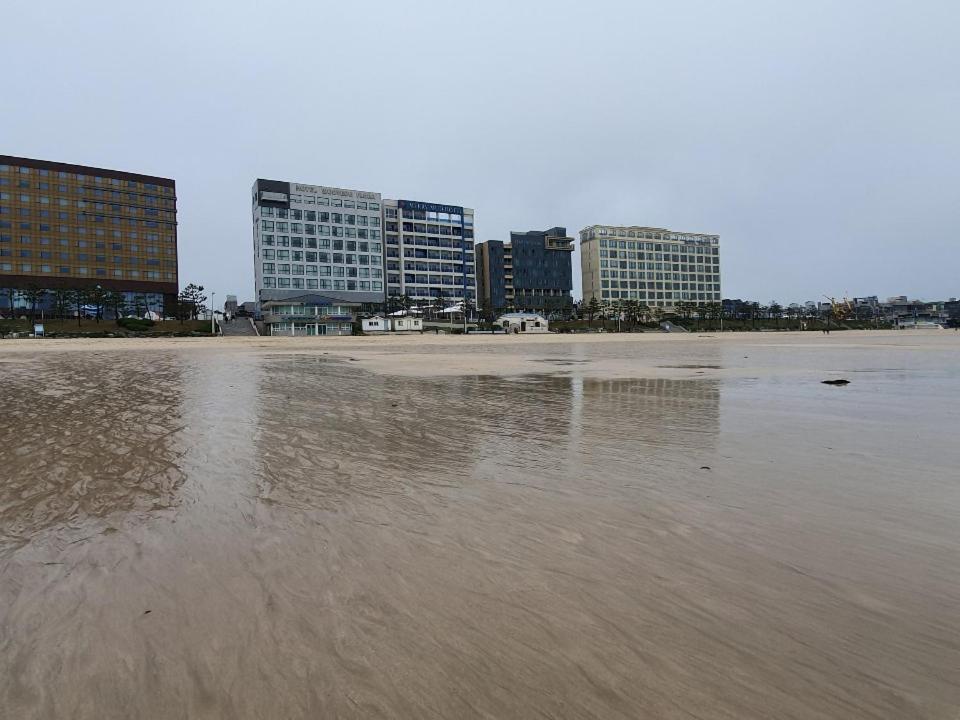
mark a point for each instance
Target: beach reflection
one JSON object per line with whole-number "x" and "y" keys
{"x": 207, "y": 532}
{"x": 326, "y": 432}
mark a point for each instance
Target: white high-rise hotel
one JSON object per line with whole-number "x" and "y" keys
{"x": 312, "y": 238}
{"x": 429, "y": 250}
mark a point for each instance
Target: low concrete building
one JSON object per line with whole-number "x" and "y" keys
{"x": 309, "y": 315}
{"x": 523, "y": 323}
{"x": 407, "y": 324}
{"x": 375, "y": 324}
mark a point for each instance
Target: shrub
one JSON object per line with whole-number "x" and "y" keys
{"x": 135, "y": 324}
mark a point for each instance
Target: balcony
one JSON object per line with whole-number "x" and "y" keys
{"x": 559, "y": 243}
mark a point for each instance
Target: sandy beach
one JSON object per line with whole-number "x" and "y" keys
{"x": 627, "y": 354}
{"x": 588, "y": 526}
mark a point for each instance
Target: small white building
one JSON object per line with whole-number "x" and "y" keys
{"x": 523, "y": 323}
{"x": 375, "y": 324}
{"x": 407, "y": 324}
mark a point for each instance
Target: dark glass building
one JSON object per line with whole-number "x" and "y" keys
{"x": 532, "y": 272}
{"x": 494, "y": 274}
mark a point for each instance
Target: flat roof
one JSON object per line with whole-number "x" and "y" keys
{"x": 644, "y": 228}
{"x": 84, "y": 170}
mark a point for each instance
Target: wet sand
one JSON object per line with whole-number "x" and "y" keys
{"x": 648, "y": 526}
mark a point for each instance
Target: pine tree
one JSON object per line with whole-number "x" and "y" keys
{"x": 593, "y": 308}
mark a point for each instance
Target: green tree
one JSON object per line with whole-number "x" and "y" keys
{"x": 468, "y": 306}
{"x": 140, "y": 305}
{"x": 97, "y": 295}
{"x": 78, "y": 297}
{"x": 191, "y": 297}
{"x": 171, "y": 306}
{"x": 11, "y": 294}
{"x": 487, "y": 310}
{"x": 116, "y": 302}
{"x": 185, "y": 309}
{"x": 604, "y": 312}
{"x": 34, "y": 296}
{"x": 630, "y": 312}
{"x": 61, "y": 302}
{"x": 616, "y": 311}
{"x": 714, "y": 311}
{"x": 643, "y": 312}
{"x": 546, "y": 307}
{"x": 592, "y": 309}
{"x": 776, "y": 312}
{"x": 696, "y": 309}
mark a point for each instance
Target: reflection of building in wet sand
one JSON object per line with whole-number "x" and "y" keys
{"x": 325, "y": 432}
{"x": 658, "y": 412}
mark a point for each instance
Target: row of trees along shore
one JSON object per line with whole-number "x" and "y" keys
{"x": 632, "y": 311}
{"x": 66, "y": 303}
{"x": 752, "y": 314}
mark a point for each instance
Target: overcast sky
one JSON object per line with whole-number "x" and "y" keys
{"x": 818, "y": 138}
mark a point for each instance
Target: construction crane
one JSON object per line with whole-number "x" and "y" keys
{"x": 841, "y": 309}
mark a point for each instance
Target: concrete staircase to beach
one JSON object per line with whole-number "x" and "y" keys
{"x": 239, "y": 326}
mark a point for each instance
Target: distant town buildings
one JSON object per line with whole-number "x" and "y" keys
{"x": 655, "y": 266}
{"x": 317, "y": 238}
{"x": 68, "y": 227}
{"x": 429, "y": 251}
{"x": 897, "y": 311}
{"x": 533, "y": 272}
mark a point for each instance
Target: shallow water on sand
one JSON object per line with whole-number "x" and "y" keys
{"x": 247, "y": 533}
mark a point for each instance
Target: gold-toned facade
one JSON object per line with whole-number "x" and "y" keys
{"x": 70, "y": 226}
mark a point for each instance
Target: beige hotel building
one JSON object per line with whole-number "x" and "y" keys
{"x": 655, "y": 266}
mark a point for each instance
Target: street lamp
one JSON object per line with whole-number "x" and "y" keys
{"x": 212, "y": 316}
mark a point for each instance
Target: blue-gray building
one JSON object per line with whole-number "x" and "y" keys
{"x": 532, "y": 272}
